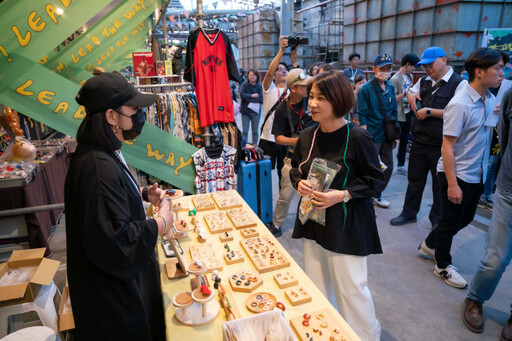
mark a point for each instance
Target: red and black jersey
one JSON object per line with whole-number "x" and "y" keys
{"x": 209, "y": 65}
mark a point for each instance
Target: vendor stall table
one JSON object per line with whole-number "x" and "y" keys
{"x": 213, "y": 330}
{"x": 45, "y": 188}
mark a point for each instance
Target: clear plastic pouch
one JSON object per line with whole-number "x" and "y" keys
{"x": 320, "y": 176}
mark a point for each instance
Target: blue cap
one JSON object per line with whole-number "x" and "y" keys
{"x": 431, "y": 54}
{"x": 383, "y": 60}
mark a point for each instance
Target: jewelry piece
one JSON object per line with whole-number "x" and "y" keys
{"x": 315, "y": 330}
{"x": 305, "y": 323}
{"x": 238, "y": 282}
{"x": 306, "y": 316}
{"x": 324, "y": 324}
{"x": 234, "y": 276}
{"x": 247, "y": 283}
{"x": 281, "y": 306}
{"x": 320, "y": 316}
{"x": 254, "y": 304}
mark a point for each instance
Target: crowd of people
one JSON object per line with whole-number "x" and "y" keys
{"x": 446, "y": 122}
{"x": 332, "y": 117}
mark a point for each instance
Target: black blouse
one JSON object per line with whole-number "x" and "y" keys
{"x": 357, "y": 234}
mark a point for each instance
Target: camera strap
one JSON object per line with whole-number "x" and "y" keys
{"x": 271, "y": 111}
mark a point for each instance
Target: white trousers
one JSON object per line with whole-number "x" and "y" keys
{"x": 346, "y": 277}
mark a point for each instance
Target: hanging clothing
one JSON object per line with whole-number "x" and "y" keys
{"x": 215, "y": 169}
{"x": 209, "y": 65}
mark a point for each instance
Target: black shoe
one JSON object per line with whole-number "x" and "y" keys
{"x": 401, "y": 220}
{"x": 276, "y": 231}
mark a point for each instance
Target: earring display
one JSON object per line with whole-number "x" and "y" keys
{"x": 203, "y": 202}
{"x": 181, "y": 204}
{"x": 297, "y": 295}
{"x": 218, "y": 222}
{"x": 206, "y": 253}
{"x": 249, "y": 232}
{"x": 226, "y": 237}
{"x": 226, "y": 200}
{"x": 232, "y": 256}
{"x": 246, "y": 281}
{"x": 261, "y": 302}
{"x": 265, "y": 254}
{"x": 241, "y": 218}
{"x": 285, "y": 279}
{"x": 318, "y": 325}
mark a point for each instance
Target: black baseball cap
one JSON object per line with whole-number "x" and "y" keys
{"x": 111, "y": 90}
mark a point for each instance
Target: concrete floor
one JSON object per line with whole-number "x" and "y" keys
{"x": 411, "y": 303}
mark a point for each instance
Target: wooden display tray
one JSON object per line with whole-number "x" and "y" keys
{"x": 218, "y": 222}
{"x": 257, "y": 246}
{"x": 267, "y": 299}
{"x": 330, "y": 332}
{"x": 226, "y": 200}
{"x": 203, "y": 202}
{"x": 298, "y": 295}
{"x": 285, "y": 279}
{"x": 241, "y": 218}
{"x": 233, "y": 257}
{"x": 248, "y": 277}
{"x": 181, "y": 204}
{"x": 249, "y": 232}
{"x": 206, "y": 253}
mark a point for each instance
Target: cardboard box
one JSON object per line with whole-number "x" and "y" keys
{"x": 27, "y": 292}
{"x": 66, "y": 320}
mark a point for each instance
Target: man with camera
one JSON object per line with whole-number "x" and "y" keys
{"x": 376, "y": 103}
{"x": 427, "y": 98}
{"x": 292, "y": 116}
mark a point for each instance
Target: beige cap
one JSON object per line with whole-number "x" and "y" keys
{"x": 297, "y": 77}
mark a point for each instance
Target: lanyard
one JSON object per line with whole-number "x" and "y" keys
{"x": 300, "y": 115}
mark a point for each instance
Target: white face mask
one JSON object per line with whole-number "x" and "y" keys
{"x": 383, "y": 75}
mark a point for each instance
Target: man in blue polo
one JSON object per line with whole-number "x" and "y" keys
{"x": 376, "y": 99}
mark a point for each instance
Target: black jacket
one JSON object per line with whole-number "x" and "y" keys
{"x": 359, "y": 236}
{"x": 113, "y": 275}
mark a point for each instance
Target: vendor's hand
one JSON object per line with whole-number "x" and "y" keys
{"x": 168, "y": 214}
{"x": 326, "y": 200}
{"x": 455, "y": 194}
{"x": 304, "y": 188}
{"x": 421, "y": 114}
{"x": 155, "y": 195}
{"x": 255, "y": 95}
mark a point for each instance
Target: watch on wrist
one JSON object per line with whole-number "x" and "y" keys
{"x": 429, "y": 112}
{"x": 346, "y": 198}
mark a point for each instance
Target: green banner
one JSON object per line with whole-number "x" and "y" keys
{"x": 104, "y": 39}
{"x": 32, "y": 28}
{"x": 498, "y": 39}
{"x": 115, "y": 49}
{"x": 49, "y": 98}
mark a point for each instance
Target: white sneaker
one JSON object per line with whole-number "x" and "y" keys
{"x": 426, "y": 252}
{"x": 401, "y": 170}
{"x": 381, "y": 202}
{"x": 451, "y": 276}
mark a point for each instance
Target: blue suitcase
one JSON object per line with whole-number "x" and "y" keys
{"x": 255, "y": 186}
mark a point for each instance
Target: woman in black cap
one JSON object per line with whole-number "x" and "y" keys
{"x": 113, "y": 275}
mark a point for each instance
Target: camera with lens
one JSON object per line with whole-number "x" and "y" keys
{"x": 294, "y": 41}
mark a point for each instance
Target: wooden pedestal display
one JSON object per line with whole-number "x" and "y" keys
{"x": 201, "y": 310}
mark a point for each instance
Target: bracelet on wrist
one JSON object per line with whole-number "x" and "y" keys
{"x": 165, "y": 223}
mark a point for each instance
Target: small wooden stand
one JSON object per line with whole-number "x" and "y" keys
{"x": 174, "y": 267}
{"x": 297, "y": 295}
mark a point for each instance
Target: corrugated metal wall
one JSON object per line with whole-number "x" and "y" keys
{"x": 258, "y": 38}
{"x": 398, "y": 27}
